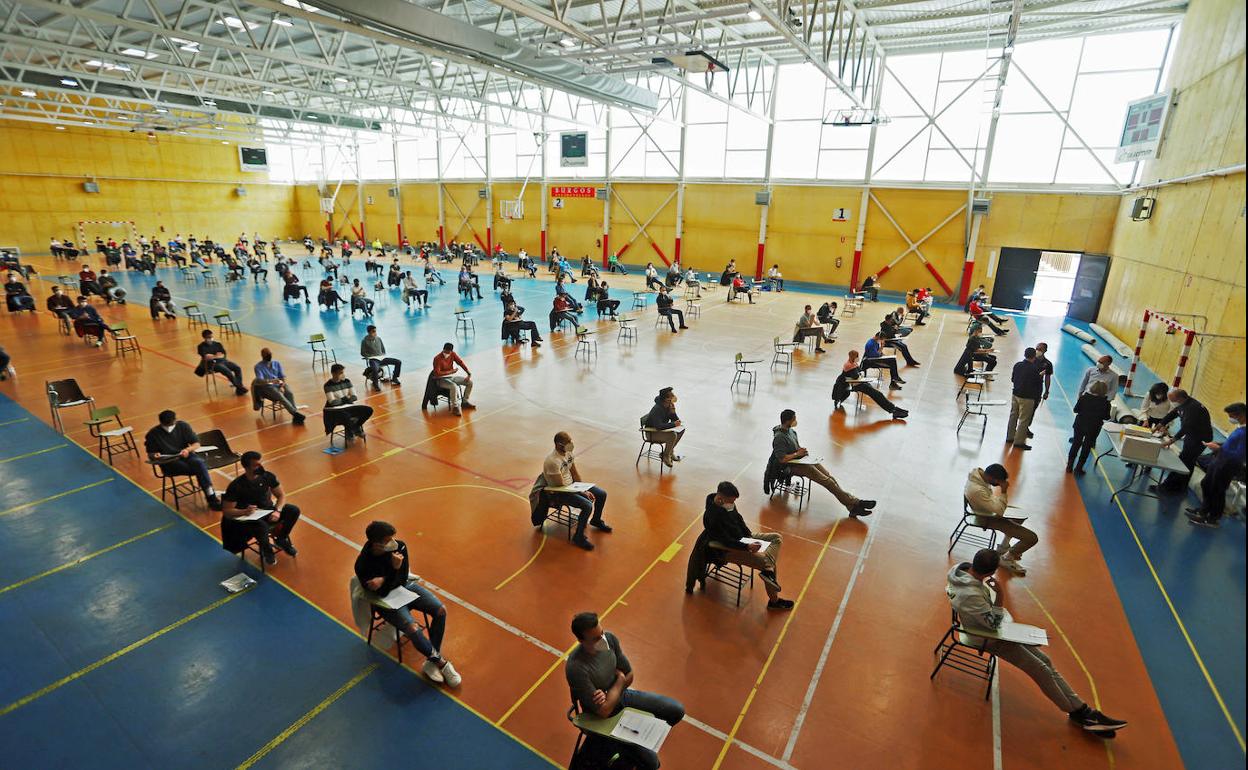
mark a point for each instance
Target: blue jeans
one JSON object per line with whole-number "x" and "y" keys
{"x": 668, "y": 709}
{"x": 402, "y": 620}
{"x": 192, "y": 465}
{"x": 586, "y": 506}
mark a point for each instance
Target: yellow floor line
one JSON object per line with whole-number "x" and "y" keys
{"x": 308, "y": 717}
{"x": 32, "y": 454}
{"x": 82, "y": 559}
{"x": 13, "y": 422}
{"x": 17, "y": 704}
{"x": 33, "y": 503}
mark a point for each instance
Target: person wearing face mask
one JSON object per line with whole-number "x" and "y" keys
{"x": 59, "y": 302}
{"x": 341, "y": 407}
{"x": 725, "y": 529}
{"x": 1046, "y": 370}
{"x": 1224, "y": 464}
{"x": 787, "y": 450}
{"x": 662, "y": 424}
{"x": 559, "y": 470}
{"x": 600, "y": 678}
{"x": 1100, "y": 372}
{"x": 1091, "y": 412}
{"x": 172, "y": 444}
{"x": 383, "y": 566}
{"x": 212, "y": 359}
{"x": 257, "y": 490}
{"x": 1195, "y": 431}
{"x": 270, "y": 384}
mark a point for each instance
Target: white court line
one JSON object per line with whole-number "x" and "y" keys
{"x": 996, "y": 723}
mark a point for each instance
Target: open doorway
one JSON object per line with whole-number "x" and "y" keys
{"x": 1055, "y": 283}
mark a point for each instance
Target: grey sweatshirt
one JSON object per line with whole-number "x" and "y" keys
{"x": 783, "y": 442}
{"x": 971, "y": 600}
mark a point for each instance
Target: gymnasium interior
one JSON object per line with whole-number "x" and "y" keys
{"x": 938, "y": 187}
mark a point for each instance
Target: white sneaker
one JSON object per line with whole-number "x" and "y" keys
{"x": 1013, "y": 566}
{"x": 450, "y": 675}
{"x": 431, "y": 670}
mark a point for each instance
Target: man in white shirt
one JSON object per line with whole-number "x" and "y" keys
{"x": 559, "y": 470}
{"x": 1100, "y": 373}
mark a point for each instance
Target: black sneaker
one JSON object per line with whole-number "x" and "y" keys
{"x": 1030, "y": 434}
{"x": 900, "y": 414}
{"x": 269, "y": 556}
{"x": 780, "y": 604}
{"x": 601, "y": 526}
{"x": 894, "y": 385}
{"x": 580, "y": 541}
{"x": 287, "y": 546}
{"x": 1202, "y": 520}
{"x": 1094, "y": 721}
{"x": 868, "y": 504}
{"x": 214, "y": 502}
{"x": 859, "y": 510}
{"x": 1023, "y": 447}
{"x": 899, "y": 380}
{"x": 298, "y": 419}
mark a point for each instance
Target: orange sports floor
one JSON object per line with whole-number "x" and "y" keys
{"x": 841, "y": 681}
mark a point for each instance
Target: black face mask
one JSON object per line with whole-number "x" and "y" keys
{"x": 259, "y": 469}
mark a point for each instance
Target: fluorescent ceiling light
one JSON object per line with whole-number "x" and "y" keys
{"x": 186, "y": 45}
{"x": 755, "y": 15}
{"x": 224, "y": 142}
{"x": 69, "y": 82}
{"x": 161, "y": 109}
{"x": 281, "y": 22}
{"x": 106, "y": 66}
{"x": 236, "y": 23}
{"x": 300, "y": 6}
{"x": 341, "y": 80}
{"x": 269, "y": 93}
{"x": 567, "y": 42}
{"x": 183, "y": 133}
{"x": 219, "y": 128}
{"x": 28, "y": 92}
{"x": 139, "y": 53}
{"x": 437, "y": 65}
{"x": 60, "y": 128}
{"x": 209, "y": 103}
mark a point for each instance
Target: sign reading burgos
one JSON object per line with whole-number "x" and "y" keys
{"x": 572, "y": 192}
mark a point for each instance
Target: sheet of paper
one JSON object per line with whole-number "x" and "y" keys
{"x": 807, "y": 460}
{"x": 207, "y": 448}
{"x": 762, "y": 544}
{"x": 398, "y": 597}
{"x": 259, "y": 513}
{"x": 642, "y": 729}
{"x": 577, "y": 486}
{"x": 1022, "y": 633}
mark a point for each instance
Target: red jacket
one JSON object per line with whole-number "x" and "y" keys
{"x": 444, "y": 365}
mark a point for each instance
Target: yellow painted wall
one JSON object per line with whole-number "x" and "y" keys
{"x": 1189, "y": 257}
{"x": 183, "y": 185}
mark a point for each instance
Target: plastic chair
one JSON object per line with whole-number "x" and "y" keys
{"x": 194, "y": 316}
{"x": 650, "y": 449}
{"x": 123, "y": 341}
{"x": 228, "y": 325}
{"x": 63, "y": 394}
{"x": 744, "y": 371}
{"x": 321, "y": 352}
{"x": 782, "y": 352}
{"x": 222, "y": 456}
{"x": 585, "y": 342}
{"x": 113, "y": 441}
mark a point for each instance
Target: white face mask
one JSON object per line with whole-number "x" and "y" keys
{"x": 730, "y": 507}
{"x": 1103, "y": 367}
{"x": 169, "y": 428}
{"x": 602, "y": 645}
{"x": 391, "y": 546}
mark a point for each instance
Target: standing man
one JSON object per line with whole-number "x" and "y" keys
{"x": 446, "y": 367}
{"x": 600, "y": 678}
{"x": 1046, "y": 369}
{"x": 270, "y": 383}
{"x": 978, "y": 600}
{"x": 212, "y": 359}
{"x": 172, "y": 444}
{"x": 1195, "y": 430}
{"x": 725, "y": 529}
{"x": 559, "y": 470}
{"x": 787, "y": 451}
{"x": 374, "y": 352}
{"x": 1100, "y": 372}
{"x": 1227, "y": 463}
{"x": 257, "y": 490}
{"x": 1028, "y": 379}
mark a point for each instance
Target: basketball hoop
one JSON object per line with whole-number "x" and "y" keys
{"x": 511, "y": 209}
{"x": 856, "y": 117}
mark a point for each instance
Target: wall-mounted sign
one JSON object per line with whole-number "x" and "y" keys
{"x": 1142, "y": 129}
{"x": 572, "y": 192}
{"x": 574, "y": 148}
{"x": 557, "y": 203}
{"x": 253, "y": 159}
{"x": 840, "y": 215}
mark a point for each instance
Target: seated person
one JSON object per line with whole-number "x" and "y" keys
{"x": 112, "y": 293}
{"x": 842, "y": 388}
{"x": 172, "y": 444}
{"x": 730, "y": 272}
{"x": 87, "y": 321}
{"x": 60, "y": 304}
{"x": 341, "y": 407}
{"x": 1224, "y": 464}
{"x": 827, "y": 316}
{"x": 89, "y": 284}
{"x": 871, "y": 287}
{"x": 235, "y": 267}
{"x": 394, "y": 276}
{"x": 591, "y": 289}
{"x": 257, "y": 270}
{"x": 674, "y": 275}
{"x": 382, "y": 566}
{"x": 664, "y": 303}
{"x": 508, "y": 299}
{"x": 565, "y": 270}
{"x": 525, "y": 262}
{"x": 873, "y": 358}
{"x": 16, "y": 296}
{"x": 740, "y": 286}
{"x": 915, "y": 305}
{"x": 989, "y": 506}
{"x": 327, "y": 296}
{"x": 691, "y": 281}
{"x": 614, "y": 265}
{"x": 446, "y": 367}
{"x": 890, "y": 336}
{"x": 501, "y": 279}
{"x": 373, "y": 351}
{"x": 412, "y": 291}
{"x": 786, "y": 450}
{"x": 293, "y": 288}
{"x": 725, "y": 529}
{"x": 514, "y": 324}
{"x": 559, "y": 470}
{"x": 652, "y": 277}
{"x": 978, "y": 312}
{"x": 468, "y": 283}
{"x": 270, "y": 384}
{"x": 212, "y": 359}
{"x": 561, "y": 289}
{"x": 978, "y": 601}
{"x": 432, "y": 274}
{"x": 257, "y": 490}
{"x": 661, "y": 425}
{"x": 360, "y": 299}
{"x": 808, "y": 326}
{"x": 562, "y": 309}
{"x": 605, "y": 304}
{"x": 600, "y": 679}
{"x": 975, "y": 351}
{"x": 161, "y": 302}
{"x": 775, "y": 278}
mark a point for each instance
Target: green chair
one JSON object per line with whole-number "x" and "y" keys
{"x": 110, "y": 440}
